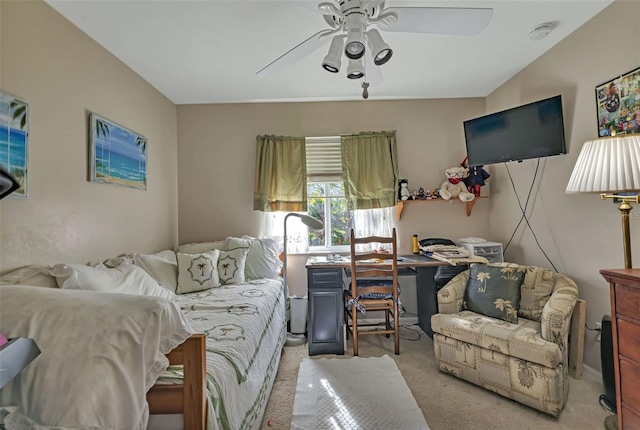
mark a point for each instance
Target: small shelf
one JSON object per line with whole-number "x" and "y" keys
{"x": 469, "y": 205}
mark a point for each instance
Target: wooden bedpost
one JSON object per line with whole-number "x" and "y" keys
{"x": 188, "y": 398}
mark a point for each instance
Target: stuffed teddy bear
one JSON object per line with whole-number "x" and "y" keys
{"x": 403, "y": 191}
{"x": 454, "y": 186}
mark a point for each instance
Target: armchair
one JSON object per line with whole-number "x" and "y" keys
{"x": 525, "y": 361}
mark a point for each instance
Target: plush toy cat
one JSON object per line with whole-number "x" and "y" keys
{"x": 403, "y": 190}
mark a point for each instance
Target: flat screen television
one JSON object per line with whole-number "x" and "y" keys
{"x": 529, "y": 131}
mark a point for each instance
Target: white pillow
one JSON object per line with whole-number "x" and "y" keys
{"x": 197, "y": 248}
{"x": 125, "y": 279}
{"x": 34, "y": 275}
{"x": 162, "y": 266}
{"x": 231, "y": 265}
{"x": 263, "y": 258}
{"x": 197, "y": 272}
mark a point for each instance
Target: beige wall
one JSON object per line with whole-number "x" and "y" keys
{"x": 63, "y": 74}
{"x": 580, "y": 233}
{"x": 217, "y": 156}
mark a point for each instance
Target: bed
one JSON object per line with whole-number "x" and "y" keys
{"x": 245, "y": 328}
{"x": 215, "y": 373}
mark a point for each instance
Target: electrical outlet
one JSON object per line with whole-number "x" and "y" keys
{"x": 598, "y": 325}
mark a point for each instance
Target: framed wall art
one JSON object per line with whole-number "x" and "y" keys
{"x": 618, "y": 103}
{"x": 117, "y": 155}
{"x": 14, "y": 140}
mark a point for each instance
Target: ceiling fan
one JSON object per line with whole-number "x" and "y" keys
{"x": 355, "y": 23}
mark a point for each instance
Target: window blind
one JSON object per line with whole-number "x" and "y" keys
{"x": 324, "y": 159}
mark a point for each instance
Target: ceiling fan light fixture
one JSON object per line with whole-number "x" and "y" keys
{"x": 381, "y": 52}
{"x": 354, "y": 47}
{"x": 332, "y": 60}
{"x": 355, "y": 70}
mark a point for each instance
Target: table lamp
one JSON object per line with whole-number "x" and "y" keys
{"x": 315, "y": 224}
{"x": 611, "y": 166}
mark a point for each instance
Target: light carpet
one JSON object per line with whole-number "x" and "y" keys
{"x": 354, "y": 393}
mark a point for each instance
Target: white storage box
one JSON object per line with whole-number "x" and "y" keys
{"x": 492, "y": 251}
{"x": 298, "y": 314}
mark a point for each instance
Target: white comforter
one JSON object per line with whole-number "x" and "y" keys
{"x": 100, "y": 353}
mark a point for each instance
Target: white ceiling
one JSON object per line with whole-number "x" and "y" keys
{"x": 209, "y": 51}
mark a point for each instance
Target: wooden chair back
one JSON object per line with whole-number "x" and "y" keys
{"x": 374, "y": 287}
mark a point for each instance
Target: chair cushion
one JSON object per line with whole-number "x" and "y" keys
{"x": 371, "y": 296}
{"x": 494, "y": 291}
{"x": 536, "y": 291}
{"x": 522, "y": 340}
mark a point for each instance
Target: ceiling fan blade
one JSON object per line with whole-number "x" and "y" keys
{"x": 374, "y": 7}
{"x": 439, "y": 20}
{"x": 328, "y": 8}
{"x": 297, "y": 53}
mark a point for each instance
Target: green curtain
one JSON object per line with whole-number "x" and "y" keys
{"x": 281, "y": 174}
{"x": 370, "y": 169}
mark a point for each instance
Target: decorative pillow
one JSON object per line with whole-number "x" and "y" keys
{"x": 198, "y": 248}
{"x": 262, "y": 258}
{"x": 197, "y": 272}
{"x": 494, "y": 291}
{"x": 125, "y": 279}
{"x": 162, "y": 266}
{"x": 231, "y": 265}
{"x": 34, "y": 275}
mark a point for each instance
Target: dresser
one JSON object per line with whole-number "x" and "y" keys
{"x": 625, "y": 315}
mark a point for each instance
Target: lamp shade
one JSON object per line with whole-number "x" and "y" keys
{"x": 609, "y": 164}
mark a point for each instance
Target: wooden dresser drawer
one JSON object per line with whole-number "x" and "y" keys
{"x": 630, "y": 421}
{"x": 630, "y": 383}
{"x": 627, "y": 301}
{"x": 629, "y": 340}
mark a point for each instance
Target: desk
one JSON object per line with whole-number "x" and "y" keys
{"x": 326, "y": 302}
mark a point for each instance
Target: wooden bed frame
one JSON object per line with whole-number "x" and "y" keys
{"x": 188, "y": 398}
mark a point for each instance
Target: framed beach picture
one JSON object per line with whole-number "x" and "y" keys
{"x": 618, "y": 103}
{"x": 14, "y": 139}
{"x": 117, "y": 155}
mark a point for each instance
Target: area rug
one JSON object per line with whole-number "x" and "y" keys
{"x": 354, "y": 393}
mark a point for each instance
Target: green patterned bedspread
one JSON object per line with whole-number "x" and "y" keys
{"x": 245, "y": 325}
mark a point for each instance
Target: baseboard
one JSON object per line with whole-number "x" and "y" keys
{"x": 591, "y": 372}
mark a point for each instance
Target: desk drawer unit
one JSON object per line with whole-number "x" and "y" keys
{"x": 326, "y": 311}
{"x": 625, "y": 307}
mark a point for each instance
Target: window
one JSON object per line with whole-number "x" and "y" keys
{"x": 326, "y": 202}
{"x": 325, "y": 192}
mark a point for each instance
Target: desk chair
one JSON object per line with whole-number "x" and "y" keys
{"x": 374, "y": 287}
